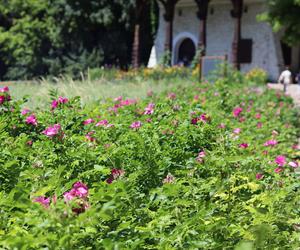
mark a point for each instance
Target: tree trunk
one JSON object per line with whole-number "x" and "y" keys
{"x": 136, "y": 47}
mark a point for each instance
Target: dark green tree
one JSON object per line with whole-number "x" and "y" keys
{"x": 284, "y": 15}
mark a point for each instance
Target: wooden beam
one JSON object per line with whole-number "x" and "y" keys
{"x": 169, "y": 7}
{"x": 202, "y": 15}
{"x": 236, "y": 13}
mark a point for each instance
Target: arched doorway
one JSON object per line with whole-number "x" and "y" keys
{"x": 186, "y": 52}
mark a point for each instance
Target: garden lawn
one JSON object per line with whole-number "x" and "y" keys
{"x": 199, "y": 166}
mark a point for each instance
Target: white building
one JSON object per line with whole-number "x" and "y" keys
{"x": 262, "y": 49}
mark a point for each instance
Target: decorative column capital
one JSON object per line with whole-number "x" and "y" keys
{"x": 237, "y": 10}
{"x": 169, "y": 6}
{"x": 202, "y": 9}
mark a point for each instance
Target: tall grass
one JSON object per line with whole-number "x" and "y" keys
{"x": 90, "y": 90}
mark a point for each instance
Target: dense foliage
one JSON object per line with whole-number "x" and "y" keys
{"x": 42, "y": 37}
{"x": 284, "y": 16}
{"x": 203, "y": 167}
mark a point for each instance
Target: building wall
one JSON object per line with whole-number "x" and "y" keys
{"x": 266, "y": 52}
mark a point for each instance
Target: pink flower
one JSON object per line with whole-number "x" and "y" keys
{"x": 89, "y": 137}
{"x": 293, "y": 164}
{"x": 270, "y": 143}
{"x": 45, "y": 202}
{"x": 259, "y": 176}
{"x": 204, "y": 118}
{"x": 222, "y": 125}
{"x": 62, "y": 99}
{"x": 102, "y": 123}
{"x": 136, "y": 125}
{"x": 201, "y": 156}
{"x": 79, "y": 190}
{"x": 52, "y": 131}
{"x": 54, "y": 104}
{"x": 259, "y": 125}
{"x": 237, "y": 131}
{"x": 149, "y": 110}
{"x": 4, "y": 89}
{"x": 31, "y": 120}
{"x": 150, "y": 93}
{"x": 237, "y": 111}
{"x": 127, "y": 102}
{"x": 118, "y": 99}
{"x": 115, "y": 174}
{"x": 296, "y": 147}
{"x": 25, "y": 111}
{"x": 2, "y": 99}
{"x": 242, "y": 119}
{"x": 169, "y": 179}
{"x": 278, "y": 170}
{"x": 243, "y": 145}
{"x": 172, "y": 96}
{"x": 88, "y": 121}
{"x": 280, "y": 160}
{"x": 29, "y": 143}
{"x": 258, "y": 116}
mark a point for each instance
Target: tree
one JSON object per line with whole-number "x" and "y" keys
{"x": 42, "y": 37}
{"x": 283, "y": 15}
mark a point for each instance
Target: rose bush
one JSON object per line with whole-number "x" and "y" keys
{"x": 203, "y": 167}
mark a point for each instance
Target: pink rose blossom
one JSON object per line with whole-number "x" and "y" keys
{"x": 79, "y": 190}
{"x": 52, "y": 131}
{"x": 201, "y": 156}
{"x": 237, "y": 131}
{"x": 25, "y": 111}
{"x": 150, "y": 93}
{"x": 169, "y": 179}
{"x": 237, "y": 111}
{"x": 31, "y": 120}
{"x": 118, "y": 99}
{"x": 88, "y": 121}
{"x": 54, "y": 104}
{"x": 136, "y": 125}
{"x": 222, "y": 125}
{"x": 280, "y": 160}
{"x": 45, "y": 202}
{"x": 89, "y": 137}
{"x": 127, "y": 102}
{"x": 149, "y": 110}
{"x": 172, "y": 96}
{"x": 62, "y": 99}
{"x": 2, "y": 99}
{"x": 115, "y": 174}
{"x": 259, "y": 125}
{"x": 278, "y": 170}
{"x": 102, "y": 123}
{"x": 258, "y": 116}
{"x": 4, "y": 89}
{"x": 271, "y": 143}
{"x": 293, "y": 164}
{"x": 259, "y": 176}
{"x": 243, "y": 145}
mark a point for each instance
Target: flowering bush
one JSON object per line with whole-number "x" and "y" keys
{"x": 188, "y": 169}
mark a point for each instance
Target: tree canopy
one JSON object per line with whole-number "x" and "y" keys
{"x": 284, "y": 15}
{"x": 41, "y": 37}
